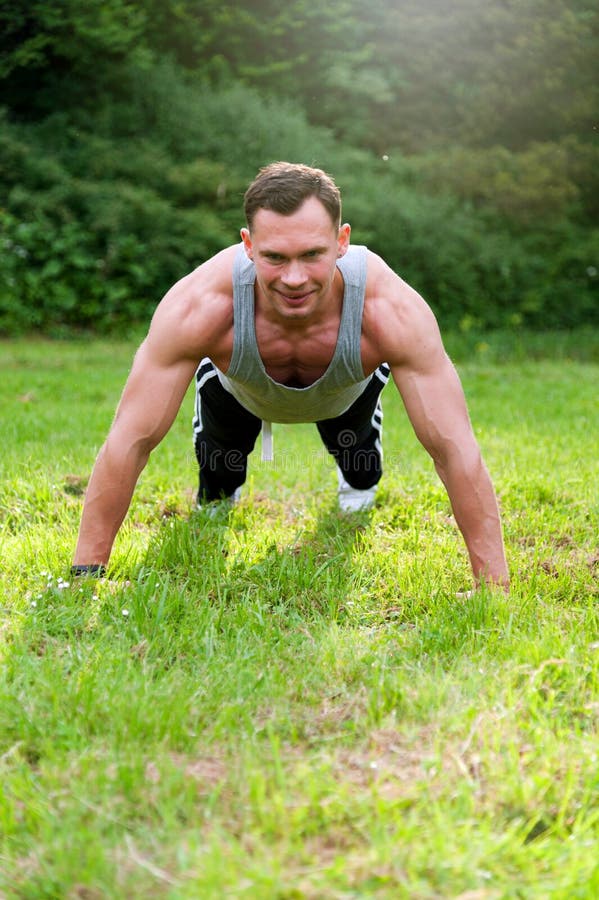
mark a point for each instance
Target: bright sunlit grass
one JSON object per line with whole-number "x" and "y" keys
{"x": 282, "y": 703}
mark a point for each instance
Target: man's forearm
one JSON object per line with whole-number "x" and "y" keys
{"x": 107, "y": 500}
{"x": 475, "y": 509}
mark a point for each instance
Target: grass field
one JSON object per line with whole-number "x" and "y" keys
{"x": 283, "y": 703}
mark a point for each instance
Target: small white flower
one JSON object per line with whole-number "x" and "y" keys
{"x": 34, "y": 603}
{"x": 125, "y": 612}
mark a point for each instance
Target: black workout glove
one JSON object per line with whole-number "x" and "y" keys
{"x": 97, "y": 570}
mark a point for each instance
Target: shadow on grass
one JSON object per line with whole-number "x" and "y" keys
{"x": 252, "y": 554}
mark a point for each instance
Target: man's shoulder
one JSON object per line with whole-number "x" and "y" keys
{"x": 206, "y": 288}
{"x": 215, "y": 275}
{"x": 197, "y": 312}
{"x": 388, "y": 296}
{"x": 395, "y": 314}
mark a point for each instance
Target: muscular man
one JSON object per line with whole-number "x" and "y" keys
{"x": 293, "y": 325}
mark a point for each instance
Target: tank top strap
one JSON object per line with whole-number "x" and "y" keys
{"x": 245, "y": 346}
{"x": 353, "y": 268}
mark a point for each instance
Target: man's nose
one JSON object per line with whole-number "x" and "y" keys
{"x": 294, "y": 274}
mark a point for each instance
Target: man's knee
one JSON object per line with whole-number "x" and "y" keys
{"x": 361, "y": 468}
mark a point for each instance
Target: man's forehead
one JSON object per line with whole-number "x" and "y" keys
{"x": 311, "y": 217}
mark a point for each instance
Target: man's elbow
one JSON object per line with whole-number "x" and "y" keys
{"x": 461, "y": 460}
{"x": 123, "y": 450}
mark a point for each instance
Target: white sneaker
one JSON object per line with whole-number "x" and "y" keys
{"x": 353, "y": 499}
{"x": 214, "y": 507}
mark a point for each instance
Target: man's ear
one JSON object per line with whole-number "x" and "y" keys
{"x": 343, "y": 239}
{"x": 247, "y": 242}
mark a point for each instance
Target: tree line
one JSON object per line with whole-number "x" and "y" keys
{"x": 462, "y": 135}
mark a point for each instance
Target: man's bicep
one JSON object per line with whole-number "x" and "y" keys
{"x": 435, "y": 404}
{"x": 152, "y": 395}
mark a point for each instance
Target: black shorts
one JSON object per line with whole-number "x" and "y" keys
{"x": 225, "y": 433}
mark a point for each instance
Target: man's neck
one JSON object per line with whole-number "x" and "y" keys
{"x": 327, "y": 314}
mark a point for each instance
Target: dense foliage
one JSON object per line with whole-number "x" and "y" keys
{"x": 461, "y": 135}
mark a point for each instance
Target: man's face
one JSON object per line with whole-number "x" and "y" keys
{"x": 295, "y": 258}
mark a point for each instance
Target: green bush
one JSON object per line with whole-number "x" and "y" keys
{"x": 100, "y": 214}
{"x": 477, "y": 269}
{"x": 92, "y": 240}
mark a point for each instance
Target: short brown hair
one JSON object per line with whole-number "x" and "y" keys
{"x": 282, "y": 187}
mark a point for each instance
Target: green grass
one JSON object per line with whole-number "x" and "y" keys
{"x": 282, "y": 703}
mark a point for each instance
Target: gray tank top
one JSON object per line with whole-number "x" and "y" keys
{"x": 332, "y": 393}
